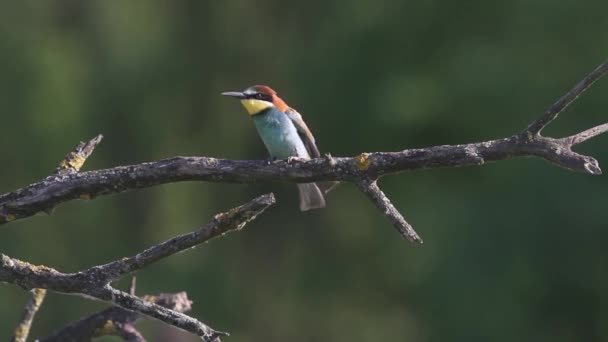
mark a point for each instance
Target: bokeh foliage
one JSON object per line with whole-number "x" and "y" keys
{"x": 513, "y": 251}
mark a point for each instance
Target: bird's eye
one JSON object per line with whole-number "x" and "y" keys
{"x": 259, "y": 96}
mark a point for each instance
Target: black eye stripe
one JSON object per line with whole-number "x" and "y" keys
{"x": 260, "y": 96}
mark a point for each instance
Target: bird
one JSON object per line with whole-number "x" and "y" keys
{"x": 283, "y": 132}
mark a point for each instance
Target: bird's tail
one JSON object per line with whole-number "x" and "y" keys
{"x": 310, "y": 196}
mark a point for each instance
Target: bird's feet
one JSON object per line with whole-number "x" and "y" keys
{"x": 272, "y": 160}
{"x": 291, "y": 160}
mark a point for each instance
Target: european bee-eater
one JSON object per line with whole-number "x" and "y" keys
{"x": 283, "y": 132}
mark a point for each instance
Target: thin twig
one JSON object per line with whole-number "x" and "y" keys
{"x": 375, "y": 194}
{"x": 223, "y": 223}
{"x": 128, "y": 332}
{"x": 74, "y": 160}
{"x": 133, "y": 285}
{"x": 556, "y": 108}
{"x": 586, "y": 135}
{"x": 31, "y": 308}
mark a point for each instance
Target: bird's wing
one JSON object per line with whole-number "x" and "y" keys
{"x": 304, "y": 132}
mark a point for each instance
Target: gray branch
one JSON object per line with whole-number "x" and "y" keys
{"x": 364, "y": 170}
{"x": 70, "y": 164}
{"x": 117, "y": 321}
{"x": 52, "y": 191}
{"x": 94, "y": 282}
{"x": 375, "y": 194}
{"x": 31, "y": 308}
{"x": 234, "y": 219}
{"x": 552, "y": 112}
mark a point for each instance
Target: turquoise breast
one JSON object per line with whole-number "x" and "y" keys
{"x": 279, "y": 134}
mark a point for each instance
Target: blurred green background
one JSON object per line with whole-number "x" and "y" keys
{"x": 513, "y": 251}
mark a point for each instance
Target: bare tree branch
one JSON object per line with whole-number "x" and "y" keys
{"x": 23, "y": 328}
{"x": 551, "y": 114}
{"x": 94, "y": 282}
{"x": 52, "y": 191}
{"x": 117, "y": 321}
{"x": 67, "y": 183}
{"x": 70, "y": 164}
{"x": 222, "y": 223}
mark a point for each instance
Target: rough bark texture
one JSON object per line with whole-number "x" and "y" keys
{"x": 95, "y": 281}
{"x": 53, "y": 190}
{"x": 375, "y": 194}
{"x": 67, "y": 183}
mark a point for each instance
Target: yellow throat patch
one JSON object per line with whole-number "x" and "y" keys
{"x": 254, "y": 106}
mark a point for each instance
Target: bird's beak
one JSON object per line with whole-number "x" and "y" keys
{"x": 237, "y": 94}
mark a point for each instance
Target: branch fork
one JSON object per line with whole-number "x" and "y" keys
{"x": 95, "y": 282}
{"x": 364, "y": 170}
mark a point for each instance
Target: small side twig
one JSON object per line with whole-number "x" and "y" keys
{"x": 73, "y": 161}
{"x": 585, "y": 135}
{"x": 556, "y": 108}
{"x": 133, "y": 285}
{"x": 223, "y": 223}
{"x": 129, "y": 333}
{"x": 31, "y": 308}
{"x": 375, "y": 194}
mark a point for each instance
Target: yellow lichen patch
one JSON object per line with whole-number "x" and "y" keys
{"x": 77, "y": 162}
{"x": 363, "y": 161}
{"x": 106, "y": 329}
{"x": 227, "y": 215}
{"x": 85, "y": 197}
{"x": 530, "y": 135}
{"x": 73, "y": 161}
{"x": 211, "y": 161}
{"x": 21, "y": 333}
{"x": 39, "y": 297}
{"x": 39, "y": 268}
{"x": 10, "y": 217}
{"x": 23, "y": 329}
{"x": 31, "y": 267}
{"x": 21, "y": 263}
{"x": 232, "y": 212}
{"x": 150, "y": 299}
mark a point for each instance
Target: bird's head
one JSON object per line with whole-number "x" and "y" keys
{"x": 258, "y": 98}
